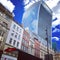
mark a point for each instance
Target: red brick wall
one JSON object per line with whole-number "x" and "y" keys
{"x": 37, "y": 48}
{"x": 26, "y": 38}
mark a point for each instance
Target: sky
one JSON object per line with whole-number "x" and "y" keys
{"x": 18, "y": 7}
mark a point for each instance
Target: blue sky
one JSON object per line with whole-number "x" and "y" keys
{"x": 18, "y": 10}
{"x": 17, "y": 7}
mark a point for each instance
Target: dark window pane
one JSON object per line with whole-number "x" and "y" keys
{"x": 14, "y": 42}
{"x": 10, "y": 41}
{"x": 17, "y": 44}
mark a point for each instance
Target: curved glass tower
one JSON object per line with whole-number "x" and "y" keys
{"x": 38, "y": 18}
{"x": 30, "y": 17}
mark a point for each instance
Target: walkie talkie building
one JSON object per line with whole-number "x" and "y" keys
{"x": 38, "y": 18}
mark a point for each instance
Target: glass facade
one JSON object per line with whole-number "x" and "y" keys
{"x": 45, "y": 22}
{"x": 38, "y": 18}
{"x": 30, "y": 18}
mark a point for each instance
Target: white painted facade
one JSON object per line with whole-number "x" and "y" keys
{"x": 15, "y": 34}
{"x": 43, "y": 51}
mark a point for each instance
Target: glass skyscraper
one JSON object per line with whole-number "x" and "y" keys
{"x": 38, "y": 18}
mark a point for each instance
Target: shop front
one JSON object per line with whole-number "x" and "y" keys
{"x": 7, "y": 57}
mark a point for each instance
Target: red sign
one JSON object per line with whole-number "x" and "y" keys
{"x": 10, "y": 49}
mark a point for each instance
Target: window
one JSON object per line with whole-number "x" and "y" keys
{"x": 16, "y": 36}
{"x": 12, "y": 30}
{"x": 26, "y": 49}
{"x": 1, "y": 13}
{"x": 17, "y": 44}
{"x": 14, "y": 42}
{"x": 17, "y": 28}
{"x": 12, "y": 34}
{"x": 26, "y": 43}
{"x": 14, "y": 26}
{"x": 5, "y": 24}
{"x": 19, "y": 37}
{"x": 0, "y": 32}
{"x": 23, "y": 41}
{"x": 20, "y": 31}
{"x": 6, "y": 17}
{"x": 22, "y": 47}
{"x": 0, "y": 43}
{"x": 10, "y": 41}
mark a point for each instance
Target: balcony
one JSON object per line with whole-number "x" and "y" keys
{"x": 4, "y": 17}
{"x": 3, "y": 26}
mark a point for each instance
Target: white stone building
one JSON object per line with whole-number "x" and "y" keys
{"x": 15, "y": 34}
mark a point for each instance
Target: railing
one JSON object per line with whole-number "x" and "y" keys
{"x": 4, "y": 26}
{"x": 4, "y": 16}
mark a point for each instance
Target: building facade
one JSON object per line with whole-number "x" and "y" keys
{"x": 13, "y": 40}
{"x": 43, "y": 51}
{"x": 15, "y": 34}
{"x": 35, "y": 18}
{"x": 13, "y": 37}
{"x": 4, "y": 23}
{"x": 25, "y": 41}
{"x": 10, "y": 38}
{"x": 31, "y": 44}
{"x": 57, "y": 56}
{"x": 45, "y": 23}
{"x": 5, "y": 20}
{"x": 37, "y": 47}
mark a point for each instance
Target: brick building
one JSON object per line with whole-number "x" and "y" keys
{"x": 25, "y": 41}
{"x": 37, "y": 47}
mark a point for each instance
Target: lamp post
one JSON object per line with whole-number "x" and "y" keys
{"x": 49, "y": 56}
{"x": 47, "y": 41}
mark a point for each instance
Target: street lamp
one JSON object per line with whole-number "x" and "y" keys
{"x": 48, "y": 56}
{"x": 47, "y": 41}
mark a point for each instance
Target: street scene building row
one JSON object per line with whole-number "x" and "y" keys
{"x": 14, "y": 37}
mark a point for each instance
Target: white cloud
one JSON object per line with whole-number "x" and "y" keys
{"x": 55, "y": 38}
{"x": 8, "y": 4}
{"x": 52, "y": 3}
{"x": 29, "y": 3}
{"x": 26, "y": 2}
{"x": 27, "y": 6}
{"x": 13, "y": 14}
{"x": 57, "y": 22}
{"x": 56, "y": 30}
{"x": 54, "y": 16}
{"x": 58, "y": 15}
